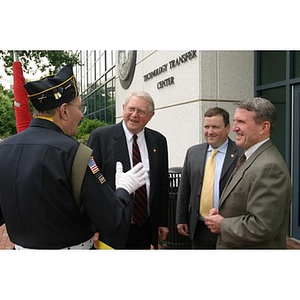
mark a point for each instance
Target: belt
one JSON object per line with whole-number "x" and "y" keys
{"x": 82, "y": 246}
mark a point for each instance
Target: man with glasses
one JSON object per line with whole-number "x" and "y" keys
{"x": 52, "y": 194}
{"x": 82, "y": 107}
{"x": 129, "y": 141}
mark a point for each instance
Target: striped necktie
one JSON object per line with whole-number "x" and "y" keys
{"x": 140, "y": 212}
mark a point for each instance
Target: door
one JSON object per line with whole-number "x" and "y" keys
{"x": 295, "y": 162}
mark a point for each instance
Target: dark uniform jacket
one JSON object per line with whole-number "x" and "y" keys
{"x": 109, "y": 145}
{"x": 36, "y": 198}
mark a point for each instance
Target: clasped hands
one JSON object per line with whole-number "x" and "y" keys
{"x": 213, "y": 221}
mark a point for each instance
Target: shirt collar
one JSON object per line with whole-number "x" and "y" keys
{"x": 252, "y": 149}
{"x": 129, "y": 135}
{"x": 222, "y": 148}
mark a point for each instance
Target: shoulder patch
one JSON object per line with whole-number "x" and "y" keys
{"x": 93, "y": 166}
{"x": 95, "y": 170}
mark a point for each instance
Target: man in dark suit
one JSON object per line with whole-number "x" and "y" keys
{"x": 114, "y": 143}
{"x": 254, "y": 205}
{"x": 188, "y": 218}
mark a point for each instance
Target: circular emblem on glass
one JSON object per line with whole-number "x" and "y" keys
{"x": 126, "y": 64}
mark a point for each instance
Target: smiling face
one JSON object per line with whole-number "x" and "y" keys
{"x": 248, "y": 131}
{"x": 215, "y": 131}
{"x": 136, "y": 114}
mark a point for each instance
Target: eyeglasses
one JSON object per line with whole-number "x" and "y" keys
{"x": 131, "y": 110}
{"x": 82, "y": 107}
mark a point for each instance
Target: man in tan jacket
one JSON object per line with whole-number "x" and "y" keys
{"x": 254, "y": 205}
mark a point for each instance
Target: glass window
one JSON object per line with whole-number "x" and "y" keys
{"x": 110, "y": 56}
{"x": 278, "y": 97}
{"x": 296, "y": 64}
{"x": 102, "y": 63}
{"x": 98, "y": 84}
{"x": 272, "y": 66}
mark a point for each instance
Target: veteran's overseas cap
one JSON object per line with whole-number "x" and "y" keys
{"x": 54, "y": 90}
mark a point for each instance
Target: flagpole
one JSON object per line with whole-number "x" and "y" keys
{"x": 21, "y": 104}
{"x": 16, "y": 56}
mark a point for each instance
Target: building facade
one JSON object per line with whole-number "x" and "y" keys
{"x": 97, "y": 84}
{"x": 184, "y": 84}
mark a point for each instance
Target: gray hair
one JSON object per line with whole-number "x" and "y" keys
{"x": 145, "y": 96}
{"x": 264, "y": 110}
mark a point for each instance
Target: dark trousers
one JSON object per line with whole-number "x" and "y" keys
{"x": 139, "y": 237}
{"x": 204, "y": 238}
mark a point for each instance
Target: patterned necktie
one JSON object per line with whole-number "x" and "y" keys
{"x": 207, "y": 193}
{"x": 140, "y": 212}
{"x": 241, "y": 160}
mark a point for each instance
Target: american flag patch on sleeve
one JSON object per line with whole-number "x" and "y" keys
{"x": 93, "y": 165}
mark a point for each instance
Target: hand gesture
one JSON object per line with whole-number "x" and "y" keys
{"x": 132, "y": 179}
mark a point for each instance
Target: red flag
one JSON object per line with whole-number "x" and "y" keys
{"x": 21, "y": 103}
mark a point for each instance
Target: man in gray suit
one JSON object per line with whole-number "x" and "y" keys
{"x": 188, "y": 219}
{"x": 254, "y": 205}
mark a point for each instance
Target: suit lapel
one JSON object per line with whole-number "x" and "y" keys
{"x": 234, "y": 180}
{"x": 231, "y": 183}
{"x": 119, "y": 145}
{"x": 229, "y": 158}
{"x": 199, "y": 164}
{"x": 152, "y": 148}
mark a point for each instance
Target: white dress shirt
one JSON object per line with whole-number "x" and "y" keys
{"x": 141, "y": 141}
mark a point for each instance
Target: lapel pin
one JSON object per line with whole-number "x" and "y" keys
{"x": 154, "y": 150}
{"x": 232, "y": 155}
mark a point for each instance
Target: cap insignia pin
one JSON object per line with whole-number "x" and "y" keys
{"x": 42, "y": 98}
{"x": 57, "y": 94}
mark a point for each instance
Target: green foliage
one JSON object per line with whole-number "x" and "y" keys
{"x": 44, "y": 60}
{"x": 7, "y": 113}
{"x": 85, "y": 128}
{"x": 31, "y": 60}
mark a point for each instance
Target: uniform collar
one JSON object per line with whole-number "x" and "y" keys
{"x": 44, "y": 123}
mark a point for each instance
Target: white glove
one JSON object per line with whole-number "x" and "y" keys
{"x": 132, "y": 179}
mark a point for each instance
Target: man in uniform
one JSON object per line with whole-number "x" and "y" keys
{"x": 41, "y": 180}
